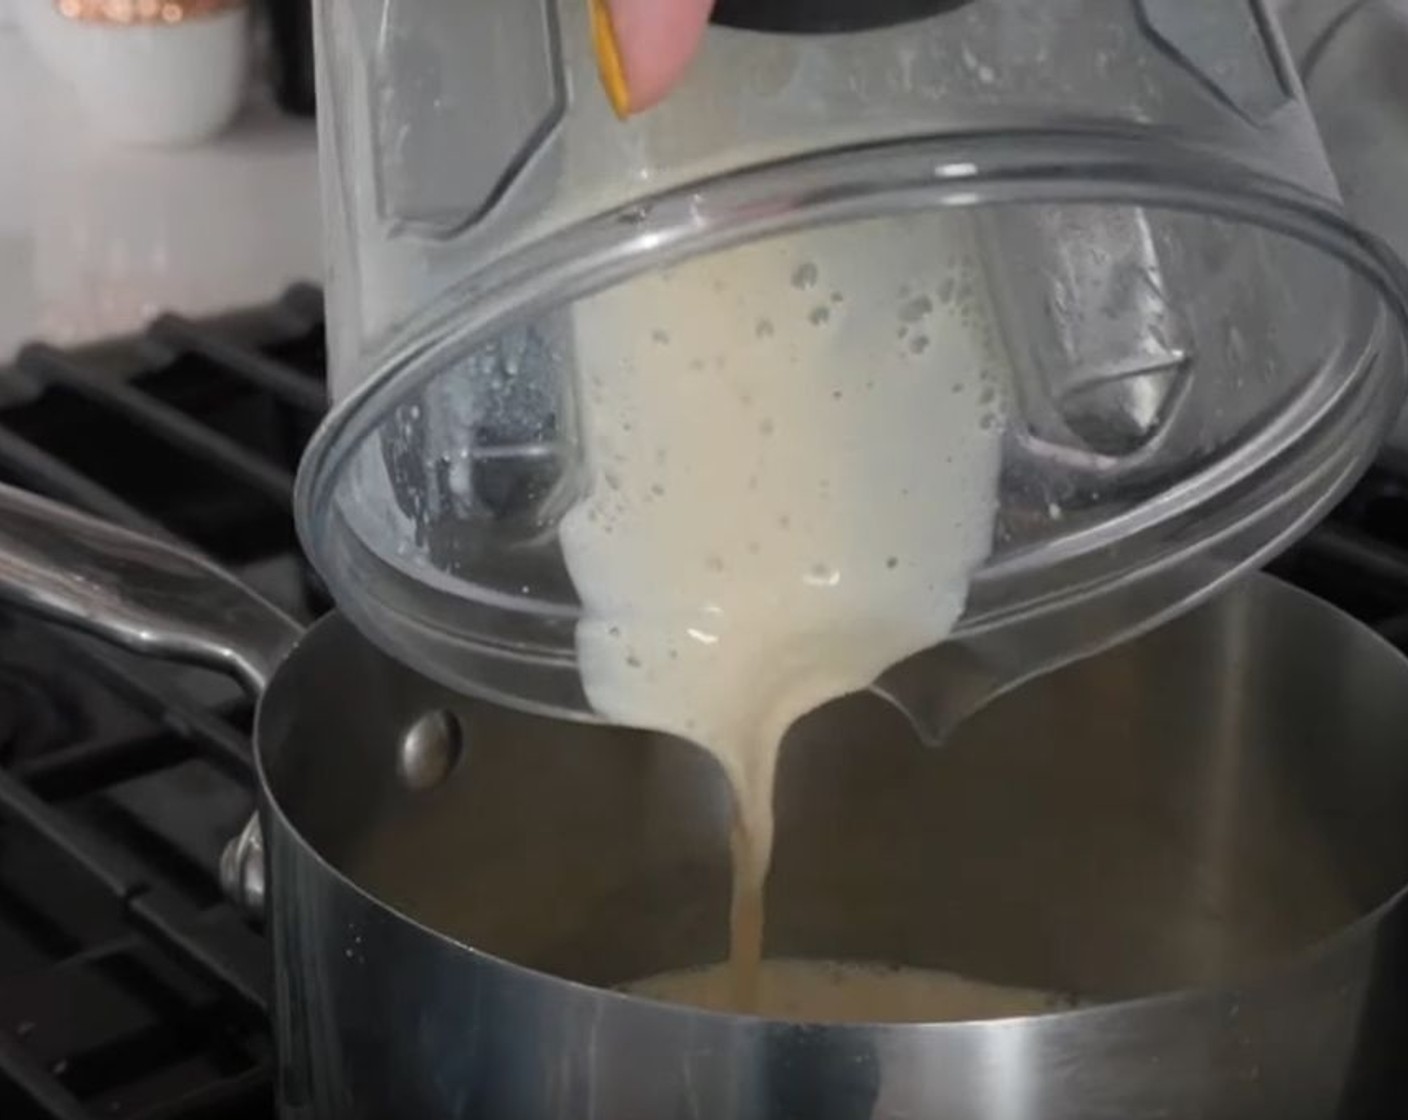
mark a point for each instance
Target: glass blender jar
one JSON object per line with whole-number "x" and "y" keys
{"x": 1195, "y": 352}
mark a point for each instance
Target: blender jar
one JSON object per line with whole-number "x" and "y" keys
{"x": 1122, "y": 206}
{"x": 1349, "y": 53}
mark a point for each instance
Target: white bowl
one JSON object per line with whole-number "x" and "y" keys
{"x": 148, "y": 83}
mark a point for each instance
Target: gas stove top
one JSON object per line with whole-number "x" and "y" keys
{"x": 128, "y": 986}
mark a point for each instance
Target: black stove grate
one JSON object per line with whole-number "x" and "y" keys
{"x": 128, "y": 986}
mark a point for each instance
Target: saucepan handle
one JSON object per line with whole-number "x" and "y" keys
{"x": 146, "y": 595}
{"x": 151, "y": 597}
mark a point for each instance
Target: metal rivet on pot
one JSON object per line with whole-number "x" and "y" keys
{"x": 429, "y": 750}
{"x": 242, "y": 869}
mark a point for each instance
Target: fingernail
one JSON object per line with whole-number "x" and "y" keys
{"x": 608, "y": 59}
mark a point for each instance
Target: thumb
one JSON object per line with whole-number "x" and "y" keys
{"x": 643, "y": 47}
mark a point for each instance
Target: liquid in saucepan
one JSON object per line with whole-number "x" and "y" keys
{"x": 838, "y": 992}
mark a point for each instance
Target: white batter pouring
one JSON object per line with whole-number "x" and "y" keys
{"x": 794, "y": 449}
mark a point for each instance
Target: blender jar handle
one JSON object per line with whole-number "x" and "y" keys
{"x": 145, "y": 595}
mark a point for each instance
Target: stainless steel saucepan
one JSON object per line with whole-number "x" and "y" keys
{"x": 1204, "y": 833}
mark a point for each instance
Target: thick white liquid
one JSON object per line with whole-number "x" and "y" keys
{"x": 794, "y": 449}
{"x": 837, "y": 992}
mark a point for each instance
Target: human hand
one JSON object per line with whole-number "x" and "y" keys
{"x": 643, "y": 47}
